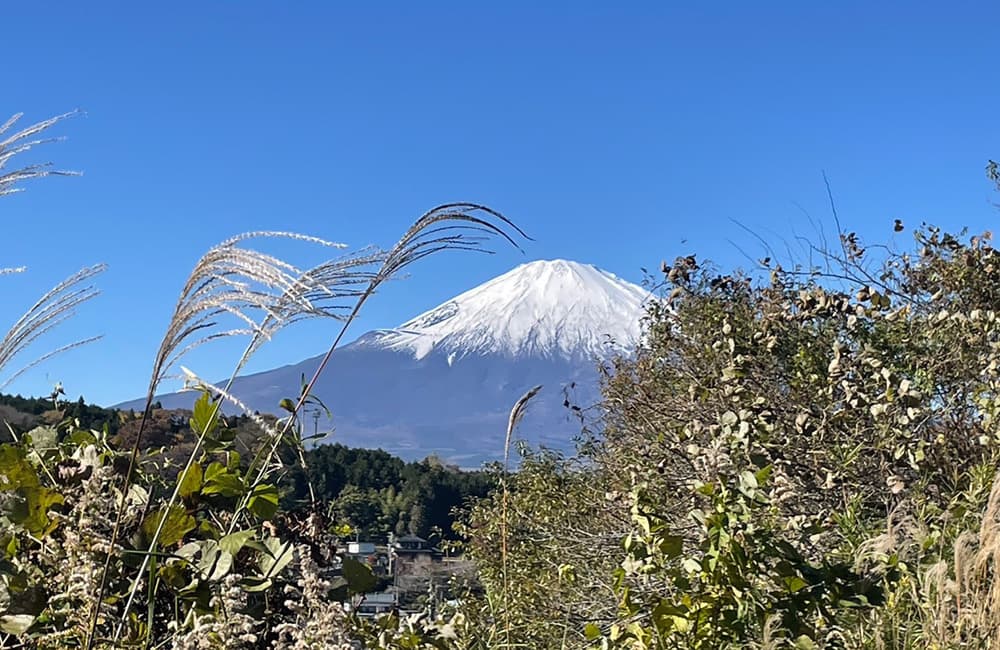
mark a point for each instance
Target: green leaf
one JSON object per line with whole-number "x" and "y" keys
{"x": 805, "y": 643}
{"x": 205, "y": 417}
{"x": 219, "y": 480}
{"x": 644, "y": 524}
{"x": 81, "y": 438}
{"x": 666, "y": 617}
{"x": 276, "y": 558}
{"x": 175, "y": 575}
{"x": 15, "y": 470}
{"x": 31, "y": 510}
{"x": 359, "y": 577}
{"x": 178, "y": 524}
{"x": 287, "y": 405}
{"x": 190, "y": 481}
{"x": 671, "y": 545}
{"x": 234, "y": 542}
{"x": 591, "y": 631}
{"x": 264, "y": 501}
{"x": 215, "y": 563}
{"x": 763, "y": 474}
{"x": 207, "y": 530}
{"x": 795, "y": 583}
{"x": 681, "y": 623}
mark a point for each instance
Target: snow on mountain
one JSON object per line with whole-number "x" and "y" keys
{"x": 444, "y": 382}
{"x": 541, "y": 308}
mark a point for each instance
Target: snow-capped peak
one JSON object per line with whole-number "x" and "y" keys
{"x": 542, "y": 308}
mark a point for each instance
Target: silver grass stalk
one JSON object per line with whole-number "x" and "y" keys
{"x": 192, "y": 382}
{"x": 263, "y": 293}
{"x": 20, "y": 142}
{"x": 51, "y": 310}
{"x": 456, "y": 226}
{"x": 60, "y": 302}
{"x": 451, "y": 226}
{"x": 516, "y": 415}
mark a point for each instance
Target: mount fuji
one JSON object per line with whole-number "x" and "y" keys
{"x": 444, "y": 381}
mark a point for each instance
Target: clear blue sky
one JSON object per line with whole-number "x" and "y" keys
{"x": 616, "y": 133}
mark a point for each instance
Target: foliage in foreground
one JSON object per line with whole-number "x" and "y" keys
{"x": 808, "y": 461}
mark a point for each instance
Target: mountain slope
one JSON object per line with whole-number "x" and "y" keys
{"x": 544, "y": 308}
{"x": 443, "y": 382}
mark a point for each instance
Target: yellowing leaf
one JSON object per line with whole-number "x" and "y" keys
{"x": 178, "y": 523}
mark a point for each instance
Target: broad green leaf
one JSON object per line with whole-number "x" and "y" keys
{"x": 220, "y": 440}
{"x": 681, "y": 623}
{"x": 219, "y": 480}
{"x": 665, "y": 616}
{"x": 591, "y": 631}
{"x": 175, "y": 576}
{"x": 234, "y": 542}
{"x": 276, "y": 558}
{"x": 81, "y": 438}
{"x": 748, "y": 482}
{"x": 215, "y": 563}
{"x": 190, "y": 481}
{"x": 189, "y": 551}
{"x": 805, "y": 643}
{"x": 795, "y": 583}
{"x": 643, "y": 523}
{"x": 264, "y": 501}
{"x": 208, "y": 530}
{"x": 32, "y": 507}
{"x": 15, "y": 470}
{"x": 10, "y": 545}
{"x": 205, "y": 417}
{"x": 671, "y": 545}
{"x": 178, "y": 524}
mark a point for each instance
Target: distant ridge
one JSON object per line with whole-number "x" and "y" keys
{"x": 443, "y": 382}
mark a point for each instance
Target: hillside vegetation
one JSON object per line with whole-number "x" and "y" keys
{"x": 807, "y": 460}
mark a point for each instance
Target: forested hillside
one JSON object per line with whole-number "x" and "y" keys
{"x": 374, "y": 493}
{"x": 369, "y": 493}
